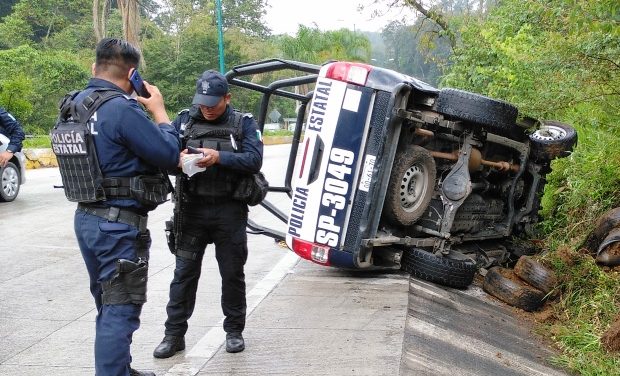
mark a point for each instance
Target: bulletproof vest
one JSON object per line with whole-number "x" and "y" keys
{"x": 215, "y": 181}
{"x": 74, "y": 146}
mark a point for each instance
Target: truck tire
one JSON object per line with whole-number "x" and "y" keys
{"x": 444, "y": 271}
{"x": 552, "y": 140}
{"x": 411, "y": 186}
{"x": 496, "y": 116}
{"x": 503, "y": 284}
{"x": 536, "y": 274}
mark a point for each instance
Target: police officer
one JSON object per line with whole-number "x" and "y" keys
{"x": 11, "y": 128}
{"x": 231, "y": 148}
{"x": 111, "y": 233}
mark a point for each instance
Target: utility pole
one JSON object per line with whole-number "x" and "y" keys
{"x": 220, "y": 34}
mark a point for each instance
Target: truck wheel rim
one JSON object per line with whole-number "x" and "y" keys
{"x": 412, "y": 187}
{"x": 549, "y": 133}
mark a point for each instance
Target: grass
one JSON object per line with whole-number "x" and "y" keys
{"x": 36, "y": 142}
{"x": 579, "y": 190}
{"x": 589, "y": 303}
{"x": 279, "y": 132}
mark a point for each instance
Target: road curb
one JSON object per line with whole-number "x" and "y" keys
{"x": 44, "y": 157}
{"x": 38, "y": 158}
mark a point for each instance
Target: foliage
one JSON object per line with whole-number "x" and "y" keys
{"x": 278, "y": 132}
{"x": 47, "y": 17}
{"x": 245, "y": 15}
{"x": 410, "y": 50}
{"x": 32, "y": 82}
{"x": 590, "y": 301}
{"x": 561, "y": 60}
{"x": 312, "y": 45}
{"x": 5, "y": 7}
{"x": 174, "y": 63}
{"x": 37, "y": 142}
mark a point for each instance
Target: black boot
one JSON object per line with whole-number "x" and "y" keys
{"x": 169, "y": 346}
{"x": 133, "y": 372}
{"x": 234, "y": 342}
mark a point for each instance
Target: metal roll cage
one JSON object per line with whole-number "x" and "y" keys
{"x": 236, "y": 77}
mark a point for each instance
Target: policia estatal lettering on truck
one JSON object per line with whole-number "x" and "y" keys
{"x": 110, "y": 157}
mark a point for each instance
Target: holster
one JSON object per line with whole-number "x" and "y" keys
{"x": 128, "y": 285}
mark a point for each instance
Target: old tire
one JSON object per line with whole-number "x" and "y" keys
{"x": 441, "y": 270}
{"x": 9, "y": 180}
{"x": 552, "y": 140}
{"x": 497, "y": 116}
{"x": 606, "y": 223}
{"x": 411, "y": 186}
{"x": 504, "y": 285}
{"x": 536, "y": 274}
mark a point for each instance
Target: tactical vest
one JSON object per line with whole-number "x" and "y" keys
{"x": 216, "y": 181}
{"x": 74, "y": 146}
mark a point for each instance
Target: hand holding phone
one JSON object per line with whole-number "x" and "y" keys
{"x": 138, "y": 84}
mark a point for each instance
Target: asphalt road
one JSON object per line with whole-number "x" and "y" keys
{"x": 303, "y": 319}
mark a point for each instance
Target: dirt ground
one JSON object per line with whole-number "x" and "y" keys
{"x": 614, "y": 249}
{"x": 611, "y": 338}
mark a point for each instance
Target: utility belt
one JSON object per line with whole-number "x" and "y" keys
{"x": 115, "y": 214}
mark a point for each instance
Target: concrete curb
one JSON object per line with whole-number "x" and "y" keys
{"x": 38, "y": 158}
{"x": 44, "y": 157}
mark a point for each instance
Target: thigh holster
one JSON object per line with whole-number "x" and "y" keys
{"x": 128, "y": 285}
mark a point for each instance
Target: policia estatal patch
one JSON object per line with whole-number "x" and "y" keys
{"x": 73, "y": 144}
{"x": 69, "y": 142}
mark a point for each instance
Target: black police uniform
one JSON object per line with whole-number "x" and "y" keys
{"x": 210, "y": 215}
{"x": 127, "y": 144}
{"x": 11, "y": 128}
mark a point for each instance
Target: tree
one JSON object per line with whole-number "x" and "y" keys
{"x": 100, "y": 15}
{"x": 131, "y": 21}
{"x": 314, "y": 46}
{"x": 410, "y": 50}
{"x": 5, "y": 7}
{"x": 32, "y": 82}
{"x": 44, "y": 18}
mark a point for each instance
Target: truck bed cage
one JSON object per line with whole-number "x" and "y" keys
{"x": 238, "y": 76}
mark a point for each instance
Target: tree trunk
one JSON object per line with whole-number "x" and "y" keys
{"x": 100, "y": 16}
{"x": 131, "y": 22}
{"x": 96, "y": 22}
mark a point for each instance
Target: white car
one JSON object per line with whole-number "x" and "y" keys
{"x": 13, "y": 175}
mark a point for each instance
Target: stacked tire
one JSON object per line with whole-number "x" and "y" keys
{"x": 527, "y": 286}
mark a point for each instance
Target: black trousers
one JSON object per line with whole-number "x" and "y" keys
{"x": 223, "y": 224}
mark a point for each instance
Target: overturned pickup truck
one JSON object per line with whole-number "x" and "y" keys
{"x": 394, "y": 173}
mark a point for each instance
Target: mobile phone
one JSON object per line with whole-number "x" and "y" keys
{"x": 138, "y": 84}
{"x": 192, "y": 150}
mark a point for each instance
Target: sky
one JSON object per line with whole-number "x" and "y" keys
{"x": 285, "y": 15}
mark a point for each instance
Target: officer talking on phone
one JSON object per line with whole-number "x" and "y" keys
{"x": 207, "y": 211}
{"x": 110, "y": 156}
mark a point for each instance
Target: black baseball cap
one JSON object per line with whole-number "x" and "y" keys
{"x": 210, "y": 88}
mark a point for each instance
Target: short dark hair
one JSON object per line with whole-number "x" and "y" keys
{"x": 116, "y": 56}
